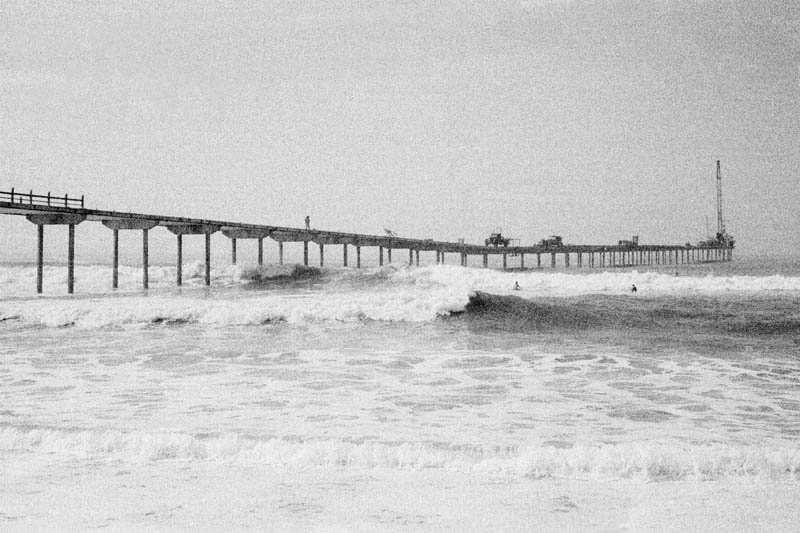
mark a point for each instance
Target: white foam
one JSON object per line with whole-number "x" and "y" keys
{"x": 653, "y": 461}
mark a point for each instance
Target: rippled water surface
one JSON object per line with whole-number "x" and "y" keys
{"x": 694, "y": 378}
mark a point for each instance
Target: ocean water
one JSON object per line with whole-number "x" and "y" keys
{"x": 402, "y": 398}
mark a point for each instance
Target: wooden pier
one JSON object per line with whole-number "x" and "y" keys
{"x": 43, "y": 210}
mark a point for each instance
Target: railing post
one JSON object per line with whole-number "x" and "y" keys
{"x": 81, "y": 201}
{"x": 66, "y": 200}
{"x": 12, "y": 195}
{"x": 48, "y": 197}
{"x": 30, "y": 197}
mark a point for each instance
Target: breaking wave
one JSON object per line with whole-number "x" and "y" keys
{"x": 650, "y": 461}
{"x": 298, "y": 295}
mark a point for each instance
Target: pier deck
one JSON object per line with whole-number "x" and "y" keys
{"x": 48, "y": 210}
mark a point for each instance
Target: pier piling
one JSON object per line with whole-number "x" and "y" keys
{"x": 145, "y": 260}
{"x": 71, "y": 260}
{"x": 115, "y": 271}
{"x": 208, "y": 258}
{"x": 40, "y": 258}
{"x": 180, "y": 259}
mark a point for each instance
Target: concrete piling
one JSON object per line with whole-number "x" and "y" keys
{"x": 180, "y": 259}
{"x": 40, "y": 258}
{"x": 208, "y": 258}
{"x": 145, "y": 260}
{"x": 71, "y": 260}
{"x": 115, "y": 267}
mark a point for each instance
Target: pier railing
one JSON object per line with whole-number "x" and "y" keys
{"x": 17, "y": 197}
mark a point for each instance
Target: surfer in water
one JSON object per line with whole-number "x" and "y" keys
{"x": 516, "y": 286}
{"x": 633, "y": 288}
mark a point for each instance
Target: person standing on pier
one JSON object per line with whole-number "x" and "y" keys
{"x": 308, "y": 222}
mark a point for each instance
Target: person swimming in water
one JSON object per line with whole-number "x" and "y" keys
{"x": 516, "y": 286}
{"x": 633, "y": 288}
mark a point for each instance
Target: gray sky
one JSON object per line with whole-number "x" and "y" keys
{"x": 593, "y": 120}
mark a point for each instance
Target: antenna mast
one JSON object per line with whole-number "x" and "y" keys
{"x": 720, "y": 224}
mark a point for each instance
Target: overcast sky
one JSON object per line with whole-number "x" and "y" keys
{"x": 592, "y": 120}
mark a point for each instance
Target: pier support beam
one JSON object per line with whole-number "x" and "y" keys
{"x": 321, "y": 255}
{"x": 552, "y": 259}
{"x": 233, "y": 251}
{"x": 56, "y": 219}
{"x": 127, "y": 224}
{"x": 566, "y": 259}
{"x": 280, "y": 252}
{"x": 505, "y": 262}
{"x": 485, "y": 260}
{"x": 416, "y": 254}
{"x": 538, "y": 260}
{"x": 522, "y": 261}
{"x": 358, "y": 256}
{"x": 344, "y": 254}
{"x": 410, "y": 257}
{"x": 195, "y": 229}
{"x": 305, "y": 253}
{"x": 380, "y": 255}
{"x": 389, "y": 255}
{"x": 260, "y": 251}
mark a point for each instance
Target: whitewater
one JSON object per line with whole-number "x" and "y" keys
{"x": 438, "y": 397}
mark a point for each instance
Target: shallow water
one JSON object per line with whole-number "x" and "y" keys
{"x": 437, "y": 376}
